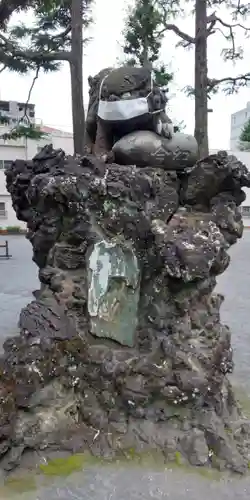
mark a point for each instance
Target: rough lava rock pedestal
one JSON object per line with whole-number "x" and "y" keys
{"x": 123, "y": 346}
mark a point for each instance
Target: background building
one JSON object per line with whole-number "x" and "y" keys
{"x": 24, "y": 149}
{"x": 17, "y": 112}
{"x": 238, "y": 120}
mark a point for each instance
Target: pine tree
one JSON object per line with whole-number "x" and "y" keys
{"x": 8, "y": 7}
{"x": 143, "y": 36}
{"x": 244, "y": 143}
{"x": 55, "y": 37}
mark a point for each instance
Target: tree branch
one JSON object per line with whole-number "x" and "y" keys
{"x": 30, "y": 92}
{"x": 33, "y": 55}
{"x": 233, "y": 83}
{"x": 210, "y": 29}
{"x": 62, "y": 35}
{"x": 234, "y": 52}
{"x": 214, "y": 19}
{"x": 178, "y": 32}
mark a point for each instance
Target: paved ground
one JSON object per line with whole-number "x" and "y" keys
{"x": 235, "y": 312}
{"x": 138, "y": 484}
{"x": 18, "y": 278}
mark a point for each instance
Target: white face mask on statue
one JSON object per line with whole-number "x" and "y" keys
{"x": 123, "y": 109}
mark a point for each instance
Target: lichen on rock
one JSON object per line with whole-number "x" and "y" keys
{"x": 123, "y": 347}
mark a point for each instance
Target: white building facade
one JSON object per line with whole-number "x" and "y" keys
{"x": 24, "y": 149}
{"x": 17, "y": 112}
{"x": 238, "y": 120}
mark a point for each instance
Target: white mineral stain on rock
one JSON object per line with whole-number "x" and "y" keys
{"x": 188, "y": 246}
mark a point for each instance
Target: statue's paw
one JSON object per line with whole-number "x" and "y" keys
{"x": 87, "y": 150}
{"x": 167, "y": 134}
{"x": 106, "y": 157}
{"x": 109, "y": 157}
{"x": 167, "y": 131}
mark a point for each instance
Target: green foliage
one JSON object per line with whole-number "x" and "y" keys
{"x": 162, "y": 76}
{"x": 245, "y": 133}
{"x": 30, "y": 131}
{"x": 14, "y": 229}
{"x": 45, "y": 42}
{"x": 143, "y": 36}
{"x": 7, "y": 7}
{"x": 180, "y": 127}
{"x": 4, "y": 120}
{"x": 245, "y": 137}
{"x": 42, "y": 46}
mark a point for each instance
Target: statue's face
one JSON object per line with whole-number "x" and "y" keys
{"x": 158, "y": 97}
{"x": 94, "y": 89}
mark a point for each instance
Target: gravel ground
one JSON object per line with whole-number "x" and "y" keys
{"x": 18, "y": 278}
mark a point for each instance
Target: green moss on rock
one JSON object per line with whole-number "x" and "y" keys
{"x": 18, "y": 485}
{"x": 64, "y": 466}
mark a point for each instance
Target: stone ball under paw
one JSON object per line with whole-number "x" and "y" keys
{"x": 144, "y": 148}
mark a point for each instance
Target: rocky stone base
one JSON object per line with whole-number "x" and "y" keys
{"x": 123, "y": 348}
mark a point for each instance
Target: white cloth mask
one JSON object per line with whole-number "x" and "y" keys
{"x": 123, "y": 109}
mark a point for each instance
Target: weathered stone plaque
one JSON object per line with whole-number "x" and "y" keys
{"x": 113, "y": 292}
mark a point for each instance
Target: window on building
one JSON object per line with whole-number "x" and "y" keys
{"x": 4, "y": 106}
{"x": 2, "y": 209}
{"x": 245, "y": 211}
{"x": 32, "y": 114}
{"x": 7, "y": 163}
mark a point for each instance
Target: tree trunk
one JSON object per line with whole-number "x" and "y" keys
{"x": 76, "y": 73}
{"x": 145, "y": 51}
{"x": 201, "y": 113}
{"x": 145, "y": 61}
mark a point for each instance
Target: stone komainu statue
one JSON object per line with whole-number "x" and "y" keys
{"x": 121, "y": 101}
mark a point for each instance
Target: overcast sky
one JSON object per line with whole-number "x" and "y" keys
{"x": 52, "y": 92}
